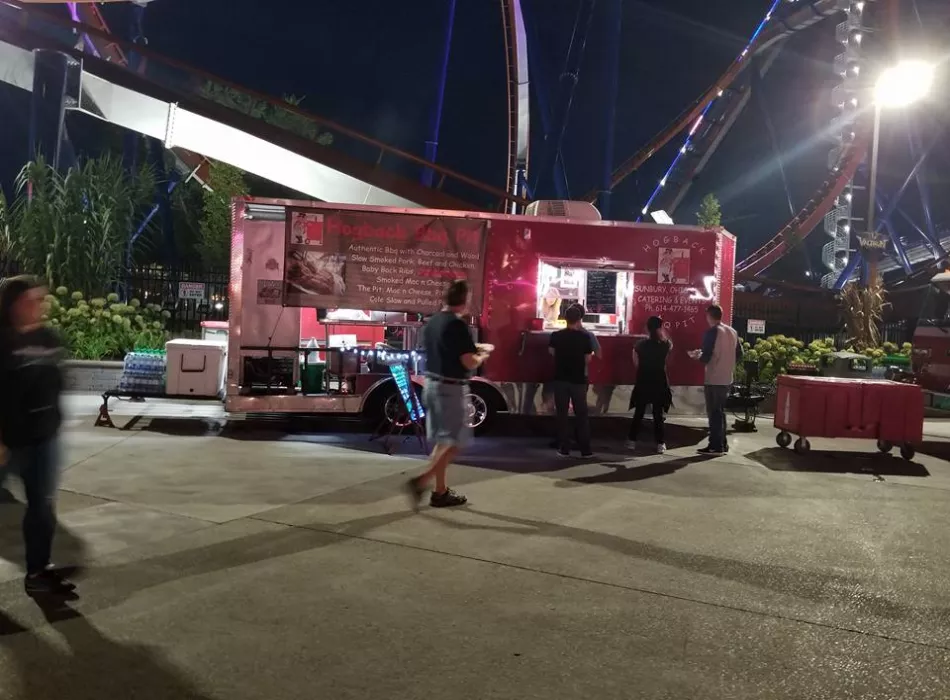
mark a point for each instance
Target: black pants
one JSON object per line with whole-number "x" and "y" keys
{"x": 565, "y": 396}
{"x": 38, "y": 467}
{"x": 638, "y": 414}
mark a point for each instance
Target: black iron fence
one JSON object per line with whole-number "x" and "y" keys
{"x": 189, "y": 295}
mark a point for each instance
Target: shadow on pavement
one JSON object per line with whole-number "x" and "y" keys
{"x": 92, "y": 667}
{"x": 835, "y": 462}
{"x": 109, "y": 586}
{"x": 935, "y": 448}
{"x": 629, "y": 473}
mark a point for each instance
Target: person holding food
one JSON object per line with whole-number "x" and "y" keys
{"x": 451, "y": 357}
{"x": 720, "y": 352}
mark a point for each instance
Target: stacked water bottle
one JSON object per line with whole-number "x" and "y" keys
{"x": 144, "y": 372}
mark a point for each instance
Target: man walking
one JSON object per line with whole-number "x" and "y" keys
{"x": 572, "y": 349}
{"x": 451, "y": 357}
{"x": 721, "y": 350}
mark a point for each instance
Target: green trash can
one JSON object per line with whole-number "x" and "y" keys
{"x": 311, "y": 378}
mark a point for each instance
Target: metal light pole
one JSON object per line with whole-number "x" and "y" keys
{"x": 898, "y": 86}
{"x": 875, "y": 145}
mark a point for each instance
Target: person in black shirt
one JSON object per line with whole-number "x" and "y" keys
{"x": 451, "y": 357}
{"x": 652, "y": 383}
{"x": 30, "y": 421}
{"x": 572, "y": 349}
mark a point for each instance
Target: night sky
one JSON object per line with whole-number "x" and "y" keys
{"x": 372, "y": 65}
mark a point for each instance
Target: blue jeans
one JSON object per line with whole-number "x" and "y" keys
{"x": 716, "y": 412}
{"x": 38, "y": 467}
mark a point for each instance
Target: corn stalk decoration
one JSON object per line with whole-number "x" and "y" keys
{"x": 863, "y": 309}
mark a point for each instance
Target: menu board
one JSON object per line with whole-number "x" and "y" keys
{"x": 601, "y": 292}
{"x": 379, "y": 261}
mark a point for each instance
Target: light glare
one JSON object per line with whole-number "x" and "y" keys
{"x": 903, "y": 84}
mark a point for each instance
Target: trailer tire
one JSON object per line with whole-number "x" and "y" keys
{"x": 783, "y": 439}
{"x": 885, "y": 446}
{"x": 908, "y": 451}
{"x": 485, "y": 403}
{"x": 386, "y": 404}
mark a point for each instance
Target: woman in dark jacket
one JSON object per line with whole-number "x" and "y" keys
{"x": 30, "y": 387}
{"x": 652, "y": 384}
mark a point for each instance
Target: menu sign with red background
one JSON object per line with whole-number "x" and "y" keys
{"x": 372, "y": 260}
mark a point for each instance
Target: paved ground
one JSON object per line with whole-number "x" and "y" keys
{"x": 237, "y": 561}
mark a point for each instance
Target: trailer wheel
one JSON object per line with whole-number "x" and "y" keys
{"x": 885, "y": 446}
{"x": 385, "y": 404}
{"x": 802, "y": 446}
{"x": 481, "y": 413}
{"x": 394, "y": 412}
{"x": 908, "y": 451}
{"x": 783, "y": 439}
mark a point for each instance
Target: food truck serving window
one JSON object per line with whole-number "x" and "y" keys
{"x": 602, "y": 290}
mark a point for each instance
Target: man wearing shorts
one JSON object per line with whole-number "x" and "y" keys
{"x": 451, "y": 356}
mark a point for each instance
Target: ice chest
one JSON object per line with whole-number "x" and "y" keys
{"x": 195, "y": 367}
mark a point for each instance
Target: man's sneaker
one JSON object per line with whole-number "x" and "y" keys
{"x": 587, "y": 455}
{"x": 48, "y": 583}
{"x": 710, "y": 451}
{"x": 564, "y": 454}
{"x": 660, "y": 448}
{"x": 447, "y": 499}
{"x": 631, "y": 445}
{"x": 415, "y": 489}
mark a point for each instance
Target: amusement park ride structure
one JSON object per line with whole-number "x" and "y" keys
{"x": 129, "y": 84}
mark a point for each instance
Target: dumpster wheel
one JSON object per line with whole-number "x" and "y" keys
{"x": 783, "y": 439}
{"x": 885, "y": 446}
{"x": 908, "y": 451}
{"x": 802, "y": 445}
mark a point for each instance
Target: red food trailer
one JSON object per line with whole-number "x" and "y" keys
{"x": 384, "y": 269}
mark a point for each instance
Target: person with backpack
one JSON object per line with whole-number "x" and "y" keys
{"x": 652, "y": 385}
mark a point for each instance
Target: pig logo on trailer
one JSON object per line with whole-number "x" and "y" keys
{"x": 307, "y": 229}
{"x": 673, "y": 266}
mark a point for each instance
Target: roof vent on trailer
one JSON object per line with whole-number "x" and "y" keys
{"x": 584, "y": 211}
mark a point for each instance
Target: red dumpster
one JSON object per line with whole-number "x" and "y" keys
{"x": 874, "y": 409}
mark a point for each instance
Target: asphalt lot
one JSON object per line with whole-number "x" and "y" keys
{"x": 257, "y": 559}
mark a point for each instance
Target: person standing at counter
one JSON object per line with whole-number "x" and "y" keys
{"x": 720, "y": 352}
{"x": 451, "y": 357}
{"x": 572, "y": 348}
{"x": 652, "y": 383}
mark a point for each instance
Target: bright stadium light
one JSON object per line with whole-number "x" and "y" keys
{"x": 904, "y": 84}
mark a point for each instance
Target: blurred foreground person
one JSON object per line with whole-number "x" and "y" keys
{"x": 652, "y": 385}
{"x": 30, "y": 387}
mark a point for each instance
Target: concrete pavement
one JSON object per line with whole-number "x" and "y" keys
{"x": 238, "y": 561}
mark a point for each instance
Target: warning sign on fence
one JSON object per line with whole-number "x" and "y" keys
{"x": 192, "y": 290}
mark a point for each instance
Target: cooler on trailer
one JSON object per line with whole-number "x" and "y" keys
{"x": 890, "y": 412}
{"x": 195, "y": 367}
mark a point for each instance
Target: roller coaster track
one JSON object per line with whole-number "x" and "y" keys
{"x": 180, "y": 86}
{"x": 772, "y": 33}
{"x": 803, "y": 223}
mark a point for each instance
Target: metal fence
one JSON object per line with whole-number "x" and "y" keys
{"x": 189, "y": 295}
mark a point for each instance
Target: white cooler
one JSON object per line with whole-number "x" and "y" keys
{"x": 195, "y": 367}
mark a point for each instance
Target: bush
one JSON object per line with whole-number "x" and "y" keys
{"x": 102, "y": 328}
{"x": 777, "y": 352}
